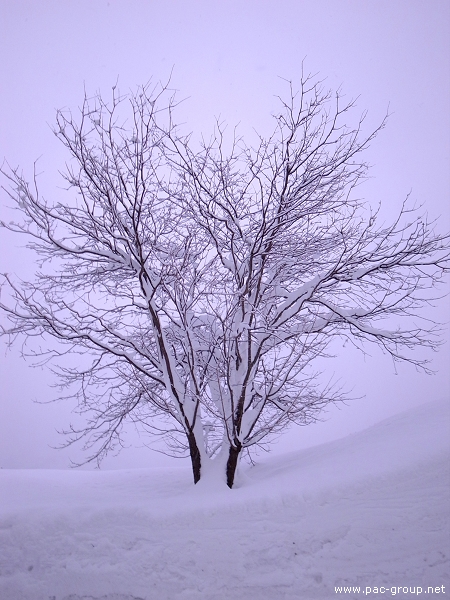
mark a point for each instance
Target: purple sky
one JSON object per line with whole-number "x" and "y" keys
{"x": 228, "y": 57}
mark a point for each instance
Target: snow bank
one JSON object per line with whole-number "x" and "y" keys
{"x": 369, "y": 510}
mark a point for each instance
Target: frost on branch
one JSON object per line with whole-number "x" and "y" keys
{"x": 195, "y": 285}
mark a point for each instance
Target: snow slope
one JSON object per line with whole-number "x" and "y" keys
{"x": 369, "y": 510}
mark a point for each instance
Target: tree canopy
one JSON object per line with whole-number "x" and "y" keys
{"x": 195, "y": 284}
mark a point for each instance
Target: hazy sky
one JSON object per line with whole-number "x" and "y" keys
{"x": 228, "y": 58}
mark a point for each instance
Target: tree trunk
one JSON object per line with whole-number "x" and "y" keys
{"x": 232, "y": 463}
{"x": 195, "y": 457}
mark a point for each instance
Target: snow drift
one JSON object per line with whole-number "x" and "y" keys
{"x": 370, "y": 511}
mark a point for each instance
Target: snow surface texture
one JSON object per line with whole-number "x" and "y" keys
{"x": 370, "y": 510}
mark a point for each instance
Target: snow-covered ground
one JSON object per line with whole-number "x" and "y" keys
{"x": 369, "y": 510}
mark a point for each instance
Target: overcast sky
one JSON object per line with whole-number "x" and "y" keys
{"x": 228, "y": 58}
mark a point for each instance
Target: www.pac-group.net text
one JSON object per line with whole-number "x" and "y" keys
{"x": 393, "y": 590}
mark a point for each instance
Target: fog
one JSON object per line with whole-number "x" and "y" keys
{"x": 228, "y": 60}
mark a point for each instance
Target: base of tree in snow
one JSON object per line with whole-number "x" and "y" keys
{"x": 369, "y": 511}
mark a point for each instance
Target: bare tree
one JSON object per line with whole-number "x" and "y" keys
{"x": 196, "y": 284}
